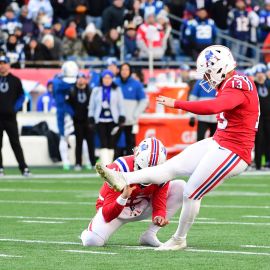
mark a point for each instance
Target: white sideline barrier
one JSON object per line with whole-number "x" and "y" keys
{"x": 36, "y": 152}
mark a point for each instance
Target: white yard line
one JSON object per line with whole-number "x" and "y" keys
{"x": 41, "y": 221}
{"x": 220, "y": 222}
{"x": 255, "y": 173}
{"x": 245, "y": 185}
{"x": 236, "y": 206}
{"x": 254, "y": 246}
{"x": 47, "y": 218}
{"x": 228, "y": 252}
{"x": 29, "y": 190}
{"x": 55, "y": 176}
{"x": 238, "y": 194}
{"x": 47, "y": 202}
{"x": 256, "y": 217}
{"x": 45, "y": 181}
{"x": 38, "y": 241}
{"x": 10, "y": 256}
{"x": 90, "y": 252}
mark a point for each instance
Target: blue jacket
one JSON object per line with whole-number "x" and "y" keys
{"x": 134, "y": 99}
{"x": 116, "y": 104}
{"x": 61, "y": 90}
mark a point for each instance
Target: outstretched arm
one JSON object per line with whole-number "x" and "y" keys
{"x": 226, "y": 101}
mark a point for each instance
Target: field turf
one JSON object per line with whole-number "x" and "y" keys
{"x": 42, "y": 217}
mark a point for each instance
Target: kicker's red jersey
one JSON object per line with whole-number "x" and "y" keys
{"x": 237, "y": 105}
{"x": 111, "y": 203}
{"x": 237, "y": 127}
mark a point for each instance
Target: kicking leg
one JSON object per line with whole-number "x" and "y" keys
{"x": 182, "y": 164}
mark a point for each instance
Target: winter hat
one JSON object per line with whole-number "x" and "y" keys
{"x": 70, "y": 32}
{"x": 107, "y": 72}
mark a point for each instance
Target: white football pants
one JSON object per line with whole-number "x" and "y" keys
{"x": 99, "y": 232}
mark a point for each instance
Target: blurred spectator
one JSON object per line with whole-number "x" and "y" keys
{"x": 163, "y": 20}
{"x": 135, "y": 15}
{"x": 29, "y": 27}
{"x": 152, "y": 6}
{"x": 131, "y": 49}
{"x": 106, "y": 111}
{"x": 205, "y": 122}
{"x": 113, "y": 66}
{"x": 11, "y": 101}
{"x": 36, "y": 51}
{"x": 72, "y": 45}
{"x": 14, "y": 51}
{"x": 150, "y": 36}
{"x": 37, "y": 6}
{"x": 8, "y": 22}
{"x": 113, "y": 16}
{"x": 48, "y": 41}
{"x": 184, "y": 39}
{"x": 95, "y": 10}
{"x": 58, "y": 29}
{"x": 46, "y": 102}
{"x": 60, "y": 12}
{"x": 219, "y": 12}
{"x": 112, "y": 43}
{"x": 266, "y": 49}
{"x": 262, "y": 141}
{"x": 79, "y": 100}
{"x": 93, "y": 41}
{"x": 201, "y": 32}
{"x": 240, "y": 24}
{"x": 55, "y": 50}
{"x": 135, "y": 103}
{"x": 264, "y": 26}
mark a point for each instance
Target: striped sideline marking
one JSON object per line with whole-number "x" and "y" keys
{"x": 10, "y": 256}
{"x": 254, "y": 246}
{"x": 89, "y": 251}
{"x": 41, "y": 221}
{"x": 256, "y": 216}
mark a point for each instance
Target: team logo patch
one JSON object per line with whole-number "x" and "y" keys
{"x": 144, "y": 147}
{"x": 210, "y": 58}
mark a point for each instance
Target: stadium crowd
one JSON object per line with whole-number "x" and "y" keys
{"x": 37, "y": 30}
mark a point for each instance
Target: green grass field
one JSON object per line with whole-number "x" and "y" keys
{"x": 42, "y": 217}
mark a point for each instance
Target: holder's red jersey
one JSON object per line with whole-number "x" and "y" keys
{"x": 238, "y": 106}
{"x": 111, "y": 205}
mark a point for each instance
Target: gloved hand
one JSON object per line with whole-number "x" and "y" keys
{"x": 91, "y": 122}
{"x": 192, "y": 121}
{"x": 121, "y": 120}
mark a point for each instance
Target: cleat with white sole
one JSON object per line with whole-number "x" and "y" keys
{"x": 173, "y": 244}
{"x": 149, "y": 239}
{"x": 115, "y": 179}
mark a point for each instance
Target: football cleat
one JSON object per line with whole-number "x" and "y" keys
{"x": 115, "y": 179}
{"x": 26, "y": 172}
{"x": 149, "y": 239}
{"x": 2, "y": 172}
{"x": 173, "y": 244}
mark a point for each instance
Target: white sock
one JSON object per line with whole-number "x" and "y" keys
{"x": 188, "y": 214}
{"x": 63, "y": 149}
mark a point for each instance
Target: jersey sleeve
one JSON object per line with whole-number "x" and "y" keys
{"x": 227, "y": 100}
{"x": 113, "y": 202}
{"x": 159, "y": 201}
